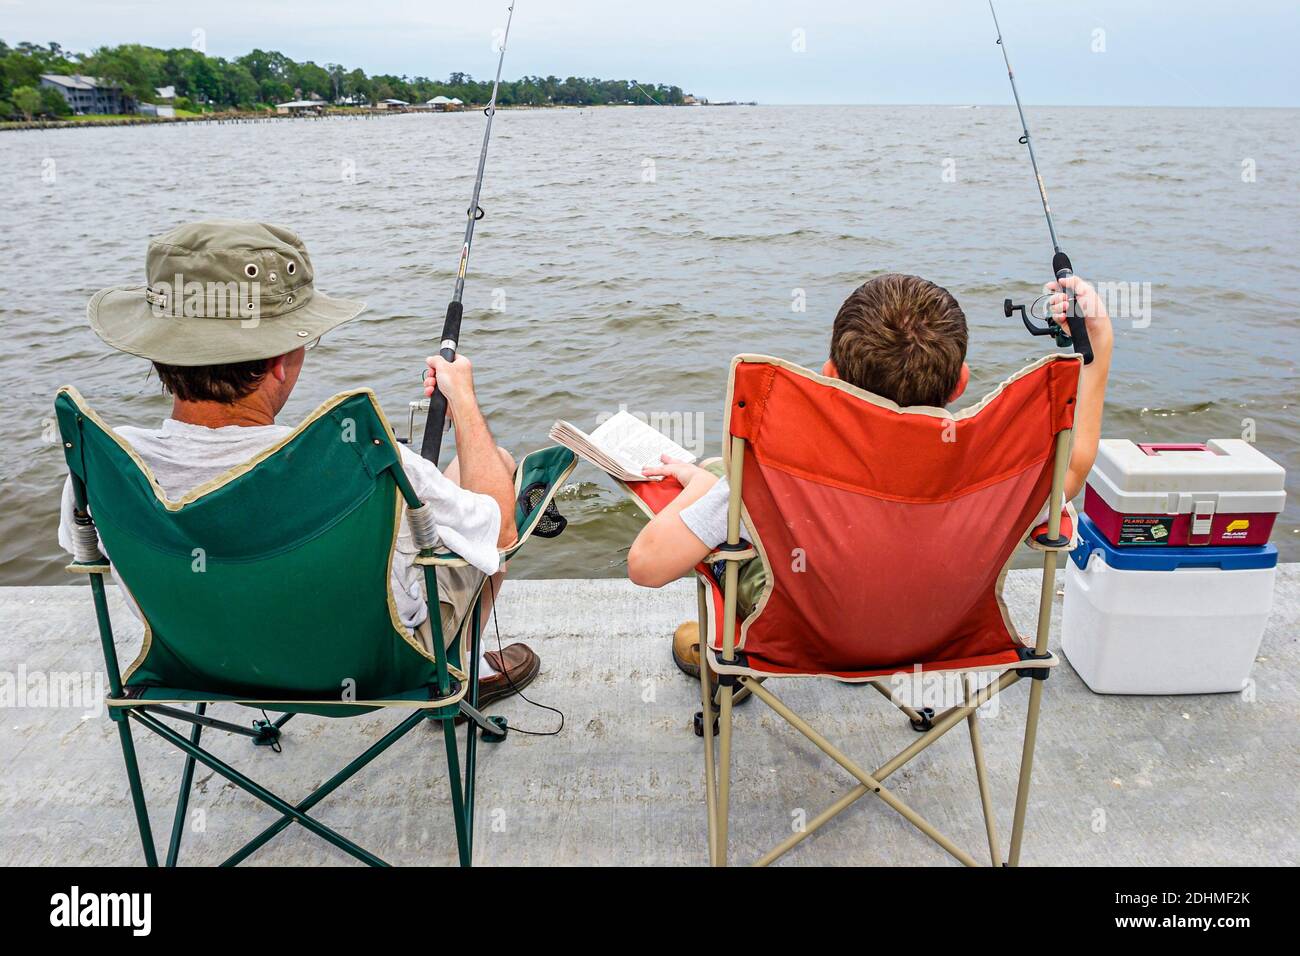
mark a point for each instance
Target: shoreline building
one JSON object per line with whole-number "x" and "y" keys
{"x": 164, "y": 105}
{"x": 301, "y": 108}
{"x": 89, "y": 94}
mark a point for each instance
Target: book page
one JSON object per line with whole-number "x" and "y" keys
{"x": 634, "y": 444}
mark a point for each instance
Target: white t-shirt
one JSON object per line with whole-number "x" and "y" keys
{"x": 706, "y": 517}
{"x": 184, "y": 456}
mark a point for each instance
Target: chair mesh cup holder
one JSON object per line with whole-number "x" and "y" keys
{"x": 551, "y": 523}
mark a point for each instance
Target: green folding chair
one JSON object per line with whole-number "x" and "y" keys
{"x": 268, "y": 587}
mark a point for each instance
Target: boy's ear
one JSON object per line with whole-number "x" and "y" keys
{"x": 963, "y": 379}
{"x": 829, "y": 370}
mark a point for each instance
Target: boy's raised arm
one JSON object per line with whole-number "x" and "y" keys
{"x": 1092, "y": 384}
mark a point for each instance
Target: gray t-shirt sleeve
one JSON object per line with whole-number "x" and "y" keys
{"x": 707, "y": 517}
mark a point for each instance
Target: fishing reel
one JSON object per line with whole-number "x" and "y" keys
{"x": 1062, "y": 337}
{"x": 1077, "y": 335}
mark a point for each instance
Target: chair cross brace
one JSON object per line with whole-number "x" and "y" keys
{"x": 289, "y": 813}
{"x": 872, "y": 782}
{"x": 462, "y": 786}
{"x": 258, "y": 731}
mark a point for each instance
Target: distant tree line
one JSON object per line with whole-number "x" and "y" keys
{"x": 261, "y": 79}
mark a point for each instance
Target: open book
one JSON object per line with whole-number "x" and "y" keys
{"x": 621, "y": 445}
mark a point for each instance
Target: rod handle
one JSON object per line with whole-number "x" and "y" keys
{"x": 1077, "y": 323}
{"x": 436, "y": 420}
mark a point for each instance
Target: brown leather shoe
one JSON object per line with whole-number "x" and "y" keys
{"x": 516, "y": 665}
{"x": 516, "y": 660}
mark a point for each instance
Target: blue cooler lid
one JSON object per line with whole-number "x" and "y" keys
{"x": 1168, "y": 558}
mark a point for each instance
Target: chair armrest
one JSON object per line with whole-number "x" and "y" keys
{"x": 89, "y": 567}
{"x": 723, "y": 553}
{"x": 562, "y": 464}
{"x": 450, "y": 559}
{"x": 441, "y": 559}
{"x": 1069, "y": 530}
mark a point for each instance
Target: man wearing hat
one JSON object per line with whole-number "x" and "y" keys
{"x": 227, "y": 317}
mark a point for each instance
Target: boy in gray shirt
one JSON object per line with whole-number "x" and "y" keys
{"x": 902, "y": 338}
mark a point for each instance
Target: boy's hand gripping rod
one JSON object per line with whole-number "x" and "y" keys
{"x": 431, "y": 446}
{"x": 1061, "y": 267}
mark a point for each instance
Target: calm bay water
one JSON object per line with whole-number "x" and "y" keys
{"x": 627, "y": 254}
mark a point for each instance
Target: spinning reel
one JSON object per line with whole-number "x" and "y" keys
{"x": 1077, "y": 335}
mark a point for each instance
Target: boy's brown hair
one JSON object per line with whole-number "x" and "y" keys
{"x": 901, "y": 337}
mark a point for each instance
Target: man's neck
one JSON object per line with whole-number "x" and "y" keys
{"x": 247, "y": 411}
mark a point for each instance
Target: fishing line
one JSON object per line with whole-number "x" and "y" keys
{"x": 501, "y": 656}
{"x": 1061, "y": 267}
{"x": 646, "y": 92}
{"x": 431, "y": 445}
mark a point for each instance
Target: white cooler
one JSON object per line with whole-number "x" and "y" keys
{"x": 1164, "y": 620}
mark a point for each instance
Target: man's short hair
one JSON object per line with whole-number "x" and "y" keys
{"x": 901, "y": 337}
{"x": 226, "y": 384}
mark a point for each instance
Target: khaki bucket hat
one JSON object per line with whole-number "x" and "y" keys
{"x": 218, "y": 292}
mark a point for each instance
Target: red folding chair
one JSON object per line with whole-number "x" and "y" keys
{"x": 851, "y": 502}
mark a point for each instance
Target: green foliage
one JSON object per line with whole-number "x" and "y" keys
{"x": 27, "y": 100}
{"x": 23, "y": 65}
{"x": 261, "y": 77}
{"x": 53, "y": 103}
{"x": 137, "y": 69}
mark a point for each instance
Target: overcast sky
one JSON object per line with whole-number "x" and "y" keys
{"x": 1126, "y": 52}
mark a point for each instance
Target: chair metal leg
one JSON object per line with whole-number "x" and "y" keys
{"x": 812, "y": 826}
{"x": 981, "y": 774}
{"x": 724, "y": 772}
{"x": 912, "y": 714}
{"x": 105, "y": 626}
{"x": 1045, "y": 596}
{"x": 258, "y": 730}
{"x": 183, "y": 798}
{"x": 137, "y": 791}
{"x": 454, "y": 778}
{"x": 490, "y": 726}
{"x": 706, "y": 704}
{"x": 727, "y": 683}
{"x": 471, "y": 734}
{"x": 457, "y": 795}
{"x": 1026, "y": 768}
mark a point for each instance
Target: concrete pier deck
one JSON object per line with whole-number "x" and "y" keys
{"x": 1190, "y": 781}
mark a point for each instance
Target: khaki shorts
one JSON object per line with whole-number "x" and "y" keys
{"x": 457, "y": 589}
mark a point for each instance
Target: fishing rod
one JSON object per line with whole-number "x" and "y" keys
{"x": 431, "y": 446}
{"x": 1078, "y": 334}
